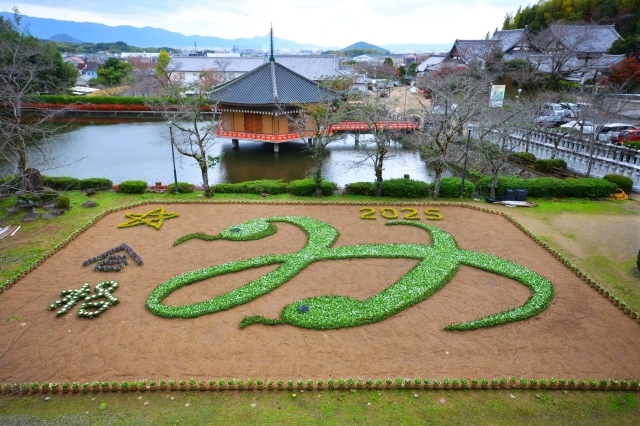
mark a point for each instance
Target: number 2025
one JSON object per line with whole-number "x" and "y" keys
{"x": 391, "y": 213}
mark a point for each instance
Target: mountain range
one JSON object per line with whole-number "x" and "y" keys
{"x": 89, "y": 32}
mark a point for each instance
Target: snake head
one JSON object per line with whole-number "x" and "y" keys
{"x": 250, "y": 230}
{"x": 322, "y": 312}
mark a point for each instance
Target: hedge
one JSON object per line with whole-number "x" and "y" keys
{"x": 360, "y": 188}
{"x": 450, "y": 187}
{"x": 108, "y": 100}
{"x": 264, "y": 186}
{"x": 132, "y": 187}
{"x": 95, "y": 183}
{"x": 183, "y": 188}
{"x": 523, "y": 157}
{"x": 404, "y": 188}
{"x": 307, "y": 187}
{"x": 551, "y": 187}
{"x": 61, "y": 183}
{"x": 623, "y": 182}
{"x": 547, "y": 166}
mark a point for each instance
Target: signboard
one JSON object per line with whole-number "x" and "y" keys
{"x": 497, "y": 96}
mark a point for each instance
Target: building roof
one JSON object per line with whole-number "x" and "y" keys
{"x": 430, "y": 62}
{"x": 546, "y": 62}
{"x": 313, "y": 67}
{"x": 469, "y": 50}
{"x": 605, "y": 62}
{"x": 509, "y": 38}
{"x": 585, "y": 38}
{"x": 270, "y": 84}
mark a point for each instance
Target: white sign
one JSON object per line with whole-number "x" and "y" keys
{"x": 497, "y": 96}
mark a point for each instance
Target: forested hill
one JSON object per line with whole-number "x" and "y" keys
{"x": 624, "y": 14}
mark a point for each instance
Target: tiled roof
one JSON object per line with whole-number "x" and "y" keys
{"x": 545, "y": 63}
{"x": 430, "y": 62}
{"x": 269, "y": 84}
{"x": 313, "y": 67}
{"x": 469, "y": 50}
{"x": 508, "y": 38}
{"x": 605, "y": 61}
{"x": 585, "y": 38}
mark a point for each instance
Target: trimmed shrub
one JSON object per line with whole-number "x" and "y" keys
{"x": 523, "y": 157}
{"x": 404, "y": 188}
{"x": 263, "y": 186}
{"x": 95, "y": 183}
{"x": 360, "y": 188}
{"x": 183, "y": 188}
{"x": 132, "y": 187}
{"x": 307, "y": 187}
{"x": 547, "y": 166}
{"x": 61, "y": 183}
{"x": 623, "y": 182}
{"x": 551, "y": 187}
{"x": 450, "y": 187}
{"x": 62, "y": 202}
{"x": 632, "y": 145}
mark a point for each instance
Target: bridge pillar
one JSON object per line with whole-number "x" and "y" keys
{"x": 276, "y": 148}
{"x": 357, "y": 138}
{"x": 234, "y": 143}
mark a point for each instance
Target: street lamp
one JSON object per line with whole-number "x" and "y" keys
{"x": 466, "y": 153}
{"x": 173, "y": 156}
{"x": 518, "y": 95}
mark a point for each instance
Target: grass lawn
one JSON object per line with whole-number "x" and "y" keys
{"x": 400, "y": 407}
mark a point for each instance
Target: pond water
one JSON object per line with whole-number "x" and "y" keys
{"x": 125, "y": 150}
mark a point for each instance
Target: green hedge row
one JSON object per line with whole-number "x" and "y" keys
{"x": 265, "y": 186}
{"x": 551, "y": 187}
{"x": 546, "y": 166}
{"x": 623, "y": 182}
{"x": 134, "y": 187}
{"x": 183, "y": 188}
{"x": 66, "y": 183}
{"x": 408, "y": 188}
{"x": 307, "y": 187}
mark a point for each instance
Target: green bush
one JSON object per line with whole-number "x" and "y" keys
{"x": 404, "y": 188}
{"x": 132, "y": 187}
{"x": 307, "y": 187}
{"x": 623, "y": 182}
{"x": 360, "y": 188}
{"x": 95, "y": 183}
{"x": 264, "y": 186}
{"x": 183, "y": 188}
{"x": 551, "y": 187}
{"x": 61, "y": 183}
{"x": 632, "y": 145}
{"x": 523, "y": 157}
{"x": 450, "y": 187}
{"x": 62, "y": 202}
{"x": 547, "y": 166}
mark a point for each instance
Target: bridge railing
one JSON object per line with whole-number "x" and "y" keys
{"x": 608, "y": 159}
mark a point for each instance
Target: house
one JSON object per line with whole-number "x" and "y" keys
{"x": 313, "y": 67}
{"x": 515, "y": 44}
{"x": 587, "y": 42}
{"x": 474, "y": 52}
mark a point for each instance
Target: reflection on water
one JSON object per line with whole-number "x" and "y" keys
{"x": 125, "y": 150}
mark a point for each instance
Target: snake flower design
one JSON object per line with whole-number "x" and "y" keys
{"x": 438, "y": 263}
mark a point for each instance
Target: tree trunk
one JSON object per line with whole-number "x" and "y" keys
{"x": 436, "y": 182}
{"x": 208, "y": 191}
{"x": 494, "y": 184}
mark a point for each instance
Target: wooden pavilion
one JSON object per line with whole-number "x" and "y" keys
{"x": 262, "y": 105}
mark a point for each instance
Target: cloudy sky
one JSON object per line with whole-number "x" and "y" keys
{"x": 321, "y": 22}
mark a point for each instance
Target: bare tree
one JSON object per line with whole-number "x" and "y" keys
{"x": 377, "y": 147}
{"x": 313, "y": 123}
{"x": 26, "y": 67}
{"x": 457, "y": 98}
{"x": 196, "y": 123}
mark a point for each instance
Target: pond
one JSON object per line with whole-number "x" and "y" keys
{"x": 126, "y": 150}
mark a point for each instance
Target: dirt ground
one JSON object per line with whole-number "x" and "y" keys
{"x": 581, "y": 335}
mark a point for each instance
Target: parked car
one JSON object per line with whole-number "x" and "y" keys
{"x": 550, "y": 121}
{"x": 570, "y": 110}
{"x": 552, "y": 109}
{"x": 631, "y": 135}
{"x": 585, "y": 127}
{"x": 609, "y": 132}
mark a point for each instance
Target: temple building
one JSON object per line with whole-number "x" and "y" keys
{"x": 262, "y": 105}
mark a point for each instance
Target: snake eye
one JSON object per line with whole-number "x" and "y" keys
{"x": 234, "y": 230}
{"x": 303, "y": 308}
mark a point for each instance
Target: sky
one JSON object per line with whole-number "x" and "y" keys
{"x": 327, "y": 23}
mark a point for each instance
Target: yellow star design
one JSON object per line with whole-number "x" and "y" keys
{"x": 153, "y": 218}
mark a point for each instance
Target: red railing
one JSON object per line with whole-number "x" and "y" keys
{"x": 346, "y": 126}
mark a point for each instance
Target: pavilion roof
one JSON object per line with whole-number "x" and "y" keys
{"x": 270, "y": 84}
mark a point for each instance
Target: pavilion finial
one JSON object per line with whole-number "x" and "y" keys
{"x": 271, "y": 57}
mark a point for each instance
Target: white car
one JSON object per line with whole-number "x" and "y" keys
{"x": 585, "y": 127}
